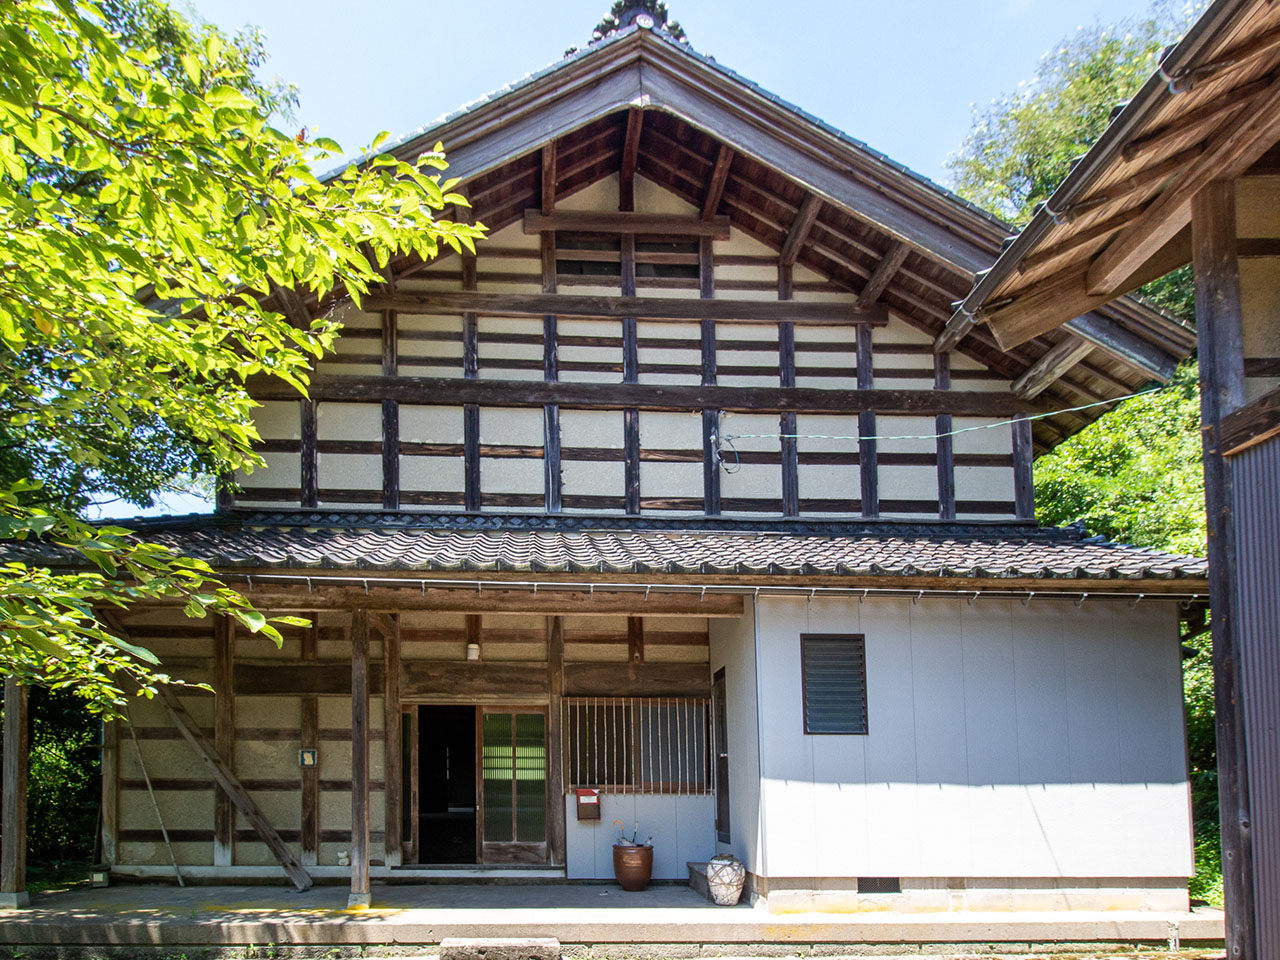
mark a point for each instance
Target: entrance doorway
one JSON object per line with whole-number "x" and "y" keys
{"x": 481, "y": 776}
{"x": 447, "y": 785}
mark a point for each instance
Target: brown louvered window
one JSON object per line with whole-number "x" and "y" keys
{"x": 834, "y": 677}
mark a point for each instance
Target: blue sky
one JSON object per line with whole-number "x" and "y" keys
{"x": 901, "y": 76}
{"x": 898, "y": 75}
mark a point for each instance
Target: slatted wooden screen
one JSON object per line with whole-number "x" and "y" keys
{"x": 638, "y": 744}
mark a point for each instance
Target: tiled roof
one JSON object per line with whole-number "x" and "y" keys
{"x": 353, "y": 541}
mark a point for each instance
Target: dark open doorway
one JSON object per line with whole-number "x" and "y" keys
{"x": 446, "y": 784}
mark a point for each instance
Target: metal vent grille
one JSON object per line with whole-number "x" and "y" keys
{"x": 879, "y": 885}
{"x": 834, "y": 670}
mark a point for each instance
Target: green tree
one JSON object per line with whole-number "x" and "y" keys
{"x": 1135, "y": 475}
{"x": 131, "y": 304}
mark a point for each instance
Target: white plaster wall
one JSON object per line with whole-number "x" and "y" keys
{"x": 681, "y": 827}
{"x": 1005, "y": 740}
{"x": 733, "y": 648}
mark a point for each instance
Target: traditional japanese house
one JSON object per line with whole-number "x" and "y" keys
{"x": 664, "y": 509}
{"x": 1189, "y": 172}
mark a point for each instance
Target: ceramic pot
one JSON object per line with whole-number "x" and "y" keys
{"x": 725, "y": 875}
{"x": 632, "y": 865}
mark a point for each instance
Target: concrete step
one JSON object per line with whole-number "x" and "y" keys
{"x": 499, "y": 948}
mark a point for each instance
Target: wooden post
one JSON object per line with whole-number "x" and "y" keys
{"x": 309, "y": 475}
{"x": 635, "y": 640}
{"x": 470, "y": 411}
{"x": 556, "y": 828}
{"x": 110, "y": 768}
{"x": 867, "y": 455}
{"x": 1219, "y": 326}
{"x": 224, "y": 738}
{"x": 393, "y": 766}
{"x": 710, "y": 418}
{"x": 945, "y": 446}
{"x": 1024, "y": 491}
{"x": 359, "y": 896}
{"x": 787, "y": 419}
{"x": 390, "y": 416}
{"x": 13, "y": 841}
{"x": 310, "y": 735}
{"x": 411, "y": 728}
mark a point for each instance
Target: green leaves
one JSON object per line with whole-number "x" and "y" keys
{"x": 146, "y": 209}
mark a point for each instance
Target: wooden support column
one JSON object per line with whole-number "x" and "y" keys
{"x": 309, "y": 477}
{"x": 1024, "y": 491}
{"x": 470, "y": 411}
{"x": 787, "y": 419}
{"x": 556, "y": 829}
{"x": 390, "y": 415}
{"x": 110, "y": 773}
{"x": 630, "y": 374}
{"x": 867, "y": 456}
{"x": 553, "y": 482}
{"x": 710, "y": 418}
{"x": 946, "y": 448}
{"x": 1220, "y": 335}
{"x": 310, "y": 740}
{"x": 13, "y": 841}
{"x": 393, "y": 777}
{"x": 635, "y": 639}
{"x": 474, "y": 631}
{"x": 630, "y": 157}
{"x": 224, "y": 737}
{"x": 359, "y": 896}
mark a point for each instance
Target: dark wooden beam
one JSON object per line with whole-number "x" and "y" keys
{"x": 1024, "y": 494}
{"x": 310, "y": 733}
{"x": 1051, "y": 367}
{"x": 710, "y": 413}
{"x": 883, "y": 275}
{"x": 715, "y": 186}
{"x": 604, "y": 396}
{"x": 637, "y": 680}
{"x": 228, "y": 781}
{"x": 393, "y": 775}
{"x": 945, "y": 447}
{"x": 359, "y": 896}
{"x": 13, "y": 785}
{"x": 810, "y": 206}
{"x": 635, "y": 639}
{"x": 787, "y": 420}
{"x": 667, "y": 224}
{"x": 390, "y": 416}
{"x": 630, "y": 156}
{"x": 1220, "y": 335}
{"x": 869, "y": 468}
{"x": 224, "y": 737}
{"x": 618, "y": 308}
{"x": 471, "y": 411}
{"x": 551, "y": 457}
{"x": 309, "y": 479}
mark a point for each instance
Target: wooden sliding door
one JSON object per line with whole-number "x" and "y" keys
{"x": 512, "y": 782}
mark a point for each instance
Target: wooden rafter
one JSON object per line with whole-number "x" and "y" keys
{"x": 1051, "y": 367}
{"x": 630, "y": 157}
{"x": 715, "y": 186}
{"x": 883, "y": 274}
{"x": 800, "y": 227}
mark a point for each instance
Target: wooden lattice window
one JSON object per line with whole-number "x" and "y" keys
{"x": 638, "y": 744}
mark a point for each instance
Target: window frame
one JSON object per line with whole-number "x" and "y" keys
{"x": 858, "y": 638}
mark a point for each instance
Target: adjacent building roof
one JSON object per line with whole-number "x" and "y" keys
{"x": 1210, "y": 111}
{"x": 589, "y": 546}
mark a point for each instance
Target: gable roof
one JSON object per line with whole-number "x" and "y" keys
{"x": 1121, "y": 217}
{"x": 871, "y": 209}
